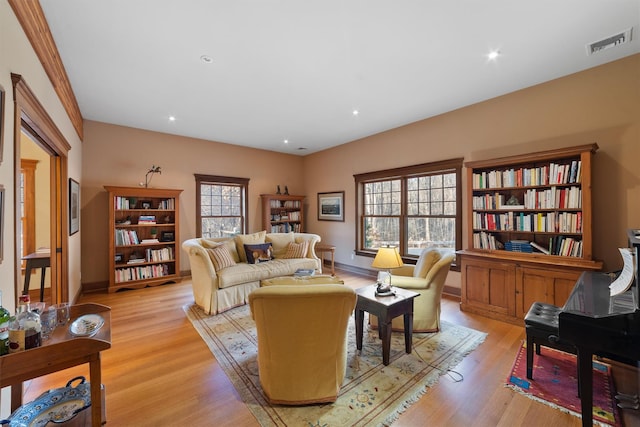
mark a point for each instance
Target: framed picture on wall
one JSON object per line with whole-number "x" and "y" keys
{"x": 74, "y": 206}
{"x": 331, "y": 206}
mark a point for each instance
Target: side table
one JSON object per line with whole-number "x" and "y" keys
{"x": 385, "y": 308}
{"x": 40, "y": 260}
{"x": 320, "y": 249}
{"x": 61, "y": 351}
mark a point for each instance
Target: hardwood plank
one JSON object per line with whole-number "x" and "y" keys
{"x": 160, "y": 372}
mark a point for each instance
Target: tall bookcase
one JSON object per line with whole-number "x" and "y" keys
{"x": 143, "y": 237}
{"x": 282, "y": 213}
{"x": 528, "y": 231}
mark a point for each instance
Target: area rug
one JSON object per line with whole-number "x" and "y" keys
{"x": 555, "y": 383}
{"x": 372, "y": 394}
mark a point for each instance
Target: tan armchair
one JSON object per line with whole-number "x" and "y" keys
{"x": 427, "y": 278}
{"x": 302, "y": 341}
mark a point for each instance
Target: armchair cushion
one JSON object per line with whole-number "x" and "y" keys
{"x": 425, "y": 262}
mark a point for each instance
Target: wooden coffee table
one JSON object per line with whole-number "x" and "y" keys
{"x": 385, "y": 308}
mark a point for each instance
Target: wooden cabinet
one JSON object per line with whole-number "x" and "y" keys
{"x": 143, "y": 237}
{"x": 282, "y": 213}
{"x": 528, "y": 231}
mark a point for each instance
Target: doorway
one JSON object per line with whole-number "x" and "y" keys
{"x": 46, "y": 142}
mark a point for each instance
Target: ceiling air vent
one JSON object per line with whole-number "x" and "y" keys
{"x": 609, "y": 42}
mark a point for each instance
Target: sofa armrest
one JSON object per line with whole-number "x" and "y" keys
{"x": 201, "y": 265}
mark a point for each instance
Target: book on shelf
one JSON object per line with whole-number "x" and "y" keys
{"x": 147, "y": 219}
{"x": 540, "y": 248}
{"x": 149, "y": 241}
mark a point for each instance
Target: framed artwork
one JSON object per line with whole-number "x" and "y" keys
{"x": 145, "y": 204}
{"x": 74, "y": 206}
{"x": 331, "y": 206}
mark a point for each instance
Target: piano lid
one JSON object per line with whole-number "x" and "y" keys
{"x": 590, "y": 297}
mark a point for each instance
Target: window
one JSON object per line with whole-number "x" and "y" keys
{"x": 221, "y": 205}
{"x": 412, "y": 208}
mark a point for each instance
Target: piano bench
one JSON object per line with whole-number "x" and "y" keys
{"x": 541, "y": 327}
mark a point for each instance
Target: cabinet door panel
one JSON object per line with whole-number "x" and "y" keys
{"x": 488, "y": 286}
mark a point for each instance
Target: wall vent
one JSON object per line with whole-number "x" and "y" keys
{"x": 609, "y": 42}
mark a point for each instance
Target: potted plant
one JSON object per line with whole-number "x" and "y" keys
{"x": 154, "y": 232}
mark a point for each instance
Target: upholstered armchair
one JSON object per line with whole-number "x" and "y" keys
{"x": 302, "y": 341}
{"x": 427, "y": 278}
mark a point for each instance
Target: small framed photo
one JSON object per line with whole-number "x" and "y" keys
{"x": 74, "y": 206}
{"x": 331, "y": 206}
{"x": 145, "y": 204}
{"x": 167, "y": 236}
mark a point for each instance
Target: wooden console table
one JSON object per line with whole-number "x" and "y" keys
{"x": 40, "y": 260}
{"x": 61, "y": 351}
{"x": 321, "y": 248}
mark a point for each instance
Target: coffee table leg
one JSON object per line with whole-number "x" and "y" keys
{"x": 385, "y": 331}
{"x": 408, "y": 331}
{"x": 359, "y": 328}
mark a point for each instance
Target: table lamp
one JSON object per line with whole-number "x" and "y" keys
{"x": 386, "y": 259}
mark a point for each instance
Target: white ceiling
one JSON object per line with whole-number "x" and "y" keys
{"x": 296, "y": 70}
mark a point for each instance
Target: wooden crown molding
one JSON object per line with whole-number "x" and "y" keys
{"x": 33, "y": 22}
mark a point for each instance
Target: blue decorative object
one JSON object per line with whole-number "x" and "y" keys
{"x": 57, "y": 406}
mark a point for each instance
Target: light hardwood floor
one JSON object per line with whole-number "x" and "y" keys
{"x": 159, "y": 372}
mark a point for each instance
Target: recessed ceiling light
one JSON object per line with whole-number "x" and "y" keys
{"x": 493, "y": 55}
{"x": 355, "y": 112}
{"x": 206, "y": 59}
{"x": 286, "y": 141}
{"x": 172, "y": 118}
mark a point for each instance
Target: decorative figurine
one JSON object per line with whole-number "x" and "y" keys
{"x": 278, "y": 192}
{"x": 286, "y": 190}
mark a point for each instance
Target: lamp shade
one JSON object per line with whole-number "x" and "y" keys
{"x": 387, "y": 257}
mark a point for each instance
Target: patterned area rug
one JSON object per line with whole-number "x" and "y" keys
{"x": 555, "y": 384}
{"x": 372, "y": 394}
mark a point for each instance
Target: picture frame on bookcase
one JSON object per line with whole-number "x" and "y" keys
{"x": 74, "y": 206}
{"x": 331, "y": 206}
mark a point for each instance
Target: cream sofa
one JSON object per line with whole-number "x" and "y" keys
{"x": 219, "y": 289}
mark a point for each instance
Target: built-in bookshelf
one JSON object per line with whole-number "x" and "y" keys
{"x": 528, "y": 230}
{"x": 143, "y": 237}
{"x": 282, "y": 213}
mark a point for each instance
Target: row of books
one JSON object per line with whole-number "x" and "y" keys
{"x": 551, "y": 198}
{"x": 131, "y": 203}
{"x": 553, "y": 173}
{"x": 558, "y": 245}
{"x": 286, "y": 216}
{"x": 550, "y": 222}
{"x": 275, "y": 204}
{"x": 286, "y": 227}
{"x": 155, "y": 255}
{"x": 141, "y": 272}
{"x": 126, "y": 237}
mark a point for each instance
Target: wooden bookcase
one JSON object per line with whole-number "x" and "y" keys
{"x": 529, "y": 231}
{"x": 282, "y": 213}
{"x": 137, "y": 257}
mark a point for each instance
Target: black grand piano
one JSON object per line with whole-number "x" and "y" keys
{"x": 600, "y": 324}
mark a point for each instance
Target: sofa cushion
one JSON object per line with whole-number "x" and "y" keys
{"x": 279, "y": 242}
{"x": 296, "y": 250}
{"x": 220, "y": 257}
{"x": 229, "y": 243}
{"x": 245, "y": 273}
{"x": 248, "y": 239}
{"x": 258, "y": 253}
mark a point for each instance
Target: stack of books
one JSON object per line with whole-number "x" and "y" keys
{"x": 518, "y": 246}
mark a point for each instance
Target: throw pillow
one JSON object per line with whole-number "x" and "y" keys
{"x": 427, "y": 259}
{"x": 279, "y": 241}
{"x": 214, "y": 243}
{"x": 248, "y": 239}
{"x": 221, "y": 257}
{"x": 297, "y": 250}
{"x": 258, "y": 253}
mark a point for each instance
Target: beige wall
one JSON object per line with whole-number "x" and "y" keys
{"x": 117, "y": 155}
{"x": 599, "y": 105}
{"x": 17, "y": 56}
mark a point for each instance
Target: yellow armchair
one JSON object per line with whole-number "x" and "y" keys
{"x": 427, "y": 278}
{"x": 302, "y": 341}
